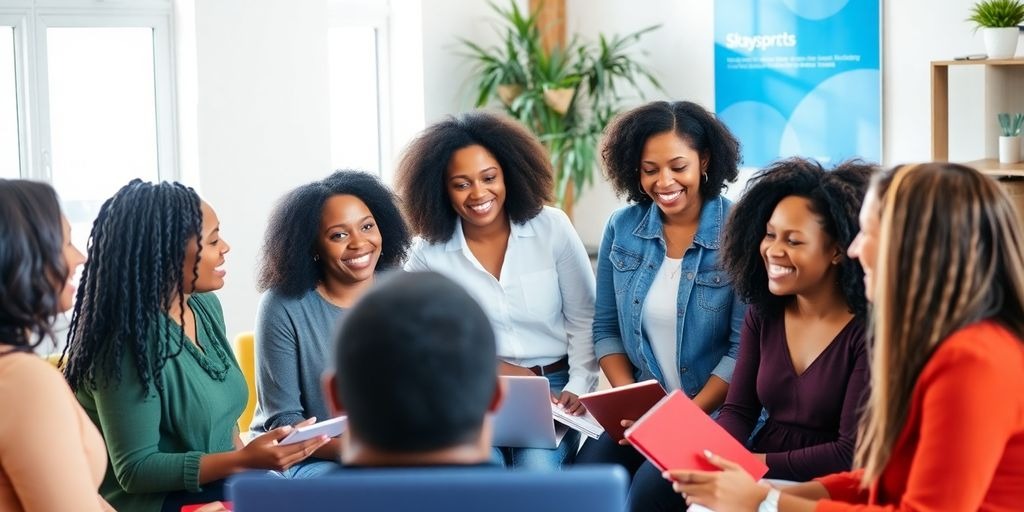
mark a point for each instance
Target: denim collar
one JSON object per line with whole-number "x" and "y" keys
{"x": 709, "y": 229}
{"x": 458, "y": 239}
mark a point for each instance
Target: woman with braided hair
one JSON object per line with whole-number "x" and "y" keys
{"x": 803, "y": 357}
{"x": 148, "y": 358}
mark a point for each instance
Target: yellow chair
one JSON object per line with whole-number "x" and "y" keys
{"x": 246, "y": 355}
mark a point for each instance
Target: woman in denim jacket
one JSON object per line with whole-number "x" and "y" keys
{"x": 665, "y": 308}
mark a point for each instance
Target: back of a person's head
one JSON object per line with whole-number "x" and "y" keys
{"x": 32, "y": 266}
{"x": 416, "y": 364}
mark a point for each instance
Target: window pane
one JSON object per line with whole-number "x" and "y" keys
{"x": 9, "y": 161}
{"x": 353, "y": 80}
{"x": 102, "y": 115}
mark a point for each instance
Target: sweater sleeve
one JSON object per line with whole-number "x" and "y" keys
{"x": 965, "y": 425}
{"x": 278, "y": 389}
{"x": 742, "y": 407}
{"x": 576, "y": 282}
{"x": 825, "y": 458}
{"x": 41, "y": 452}
{"x": 130, "y": 421}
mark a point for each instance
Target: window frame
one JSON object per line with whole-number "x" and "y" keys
{"x": 31, "y": 18}
{"x": 376, "y": 15}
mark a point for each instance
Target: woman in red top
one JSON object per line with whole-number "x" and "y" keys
{"x": 941, "y": 247}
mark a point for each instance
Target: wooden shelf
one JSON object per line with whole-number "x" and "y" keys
{"x": 993, "y": 167}
{"x": 982, "y": 62}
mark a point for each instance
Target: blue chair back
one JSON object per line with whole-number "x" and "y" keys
{"x": 590, "y": 488}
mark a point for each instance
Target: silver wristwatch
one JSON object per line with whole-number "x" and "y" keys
{"x": 771, "y": 502}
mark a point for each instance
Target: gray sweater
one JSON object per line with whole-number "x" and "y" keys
{"x": 293, "y": 347}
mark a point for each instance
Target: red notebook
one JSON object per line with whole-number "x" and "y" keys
{"x": 675, "y": 433}
{"x": 630, "y": 402}
{"x": 193, "y": 508}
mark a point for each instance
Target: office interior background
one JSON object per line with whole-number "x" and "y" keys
{"x": 246, "y": 99}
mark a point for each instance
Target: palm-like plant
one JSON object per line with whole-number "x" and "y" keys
{"x": 997, "y": 13}
{"x": 566, "y": 96}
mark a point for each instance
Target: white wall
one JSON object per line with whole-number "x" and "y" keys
{"x": 261, "y": 94}
{"x": 262, "y": 121}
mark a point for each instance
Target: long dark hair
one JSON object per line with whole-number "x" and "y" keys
{"x": 134, "y": 272}
{"x": 32, "y": 266}
{"x": 287, "y": 265}
{"x": 949, "y": 255}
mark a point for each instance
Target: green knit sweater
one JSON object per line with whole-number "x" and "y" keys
{"x": 155, "y": 439}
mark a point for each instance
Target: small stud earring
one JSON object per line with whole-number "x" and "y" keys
{"x": 316, "y": 257}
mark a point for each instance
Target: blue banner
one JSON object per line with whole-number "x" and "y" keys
{"x": 800, "y": 78}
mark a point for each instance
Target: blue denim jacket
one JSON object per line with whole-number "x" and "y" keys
{"x": 710, "y": 313}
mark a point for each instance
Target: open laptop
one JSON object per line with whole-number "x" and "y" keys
{"x": 524, "y": 419}
{"x": 594, "y": 488}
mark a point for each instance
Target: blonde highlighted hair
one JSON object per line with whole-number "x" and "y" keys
{"x": 949, "y": 255}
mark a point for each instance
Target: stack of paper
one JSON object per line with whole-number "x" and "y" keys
{"x": 586, "y": 423}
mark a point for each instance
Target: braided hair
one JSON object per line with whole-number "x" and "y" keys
{"x": 835, "y": 196}
{"x": 135, "y": 272}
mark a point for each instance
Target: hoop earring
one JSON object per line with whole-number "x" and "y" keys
{"x": 705, "y": 178}
{"x": 641, "y": 189}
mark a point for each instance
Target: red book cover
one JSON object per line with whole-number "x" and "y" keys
{"x": 630, "y": 402}
{"x": 675, "y": 433}
{"x": 193, "y": 508}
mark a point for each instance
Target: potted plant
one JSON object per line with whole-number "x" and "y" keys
{"x": 566, "y": 96}
{"x": 1009, "y": 141}
{"x": 998, "y": 21}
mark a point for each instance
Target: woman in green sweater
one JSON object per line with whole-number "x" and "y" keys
{"x": 149, "y": 360}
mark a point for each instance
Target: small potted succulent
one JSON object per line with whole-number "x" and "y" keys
{"x": 998, "y": 21}
{"x": 1009, "y": 141}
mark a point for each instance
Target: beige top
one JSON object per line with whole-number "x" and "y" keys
{"x": 51, "y": 456}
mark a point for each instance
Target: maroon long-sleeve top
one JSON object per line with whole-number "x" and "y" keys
{"x": 812, "y": 417}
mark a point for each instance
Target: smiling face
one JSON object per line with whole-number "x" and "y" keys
{"x": 670, "y": 174}
{"x": 209, "y": 274}
{"x": 865, "y": 246}
{"x": 476, "y": 186}
{"x": 349, "y": 242}
{"x": 73, "y": 258}
{"x": 799, "y": 255}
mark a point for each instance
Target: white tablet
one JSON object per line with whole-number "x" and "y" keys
{"x": 330, "y": 428}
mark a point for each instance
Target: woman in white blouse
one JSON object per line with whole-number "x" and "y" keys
{"x": 474, "y": 188}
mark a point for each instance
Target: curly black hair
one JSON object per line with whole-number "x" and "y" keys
{"x": 835, "y": 196}
{"x": 286, "y": 263}
{"x": 625, "y": 137}
{"x": 422, "y": 174}
{"x": 32, "y": 266}
{"x": 134, "y": 273}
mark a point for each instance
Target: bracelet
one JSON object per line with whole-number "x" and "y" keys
{"x": 771, "y": 502}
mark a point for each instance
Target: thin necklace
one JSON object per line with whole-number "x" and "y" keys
{"x": 675, "y": 272}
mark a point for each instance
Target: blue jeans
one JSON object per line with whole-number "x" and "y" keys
{"x": 542, "y": 458}
{"x": 308, "y": 468}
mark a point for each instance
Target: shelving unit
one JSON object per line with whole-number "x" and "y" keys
{"x": 1004, "y": 92}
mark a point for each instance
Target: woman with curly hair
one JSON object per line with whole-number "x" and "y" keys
{"x": 803, "y": 357}
{"x": 665, "y": 308}
{"x": 941, "y": 247}
{"x": 149, "y": 360}
{"x": 51, "y": 455}
{"x": 325, "y": 242}
{"x": 475, "y": 188}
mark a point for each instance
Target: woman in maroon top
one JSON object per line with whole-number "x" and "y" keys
{"x": 802, "y": 355}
